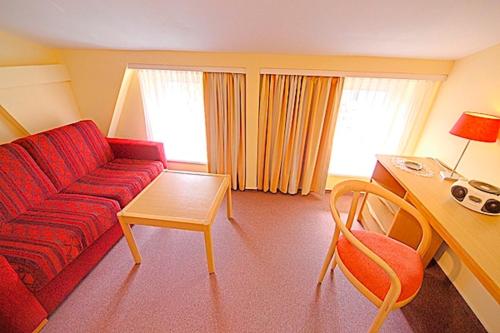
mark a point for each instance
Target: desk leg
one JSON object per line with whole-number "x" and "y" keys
{"x": 229, "y": 206}
{"x": 209, "y": 251}
{"x": 436, "y": 242}
{"x": 131, "y": 242}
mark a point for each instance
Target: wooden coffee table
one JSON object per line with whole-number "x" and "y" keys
{"x": 178, "y": 200}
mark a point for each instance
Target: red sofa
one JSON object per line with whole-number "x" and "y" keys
{"x": 60, "y": 191}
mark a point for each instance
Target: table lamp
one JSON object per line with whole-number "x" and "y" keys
{"x": 473, "y": 126}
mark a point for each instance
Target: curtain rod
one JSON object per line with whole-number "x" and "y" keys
{"x": 210, "y": 69}
{"x": 287, "y": 71}
{"x": 312, "y": 72}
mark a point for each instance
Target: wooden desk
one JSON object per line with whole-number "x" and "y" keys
{"x": 474, "y": 237}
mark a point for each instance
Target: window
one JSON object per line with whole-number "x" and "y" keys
{"x": 376, "y": 116}
{"x": 174, "y": 111}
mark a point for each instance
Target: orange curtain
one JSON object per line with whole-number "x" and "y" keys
{"x": 224, "y": 98}
{"x": 297, "y": 117}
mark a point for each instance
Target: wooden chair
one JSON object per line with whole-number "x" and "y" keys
{"x": 388, "y": 272}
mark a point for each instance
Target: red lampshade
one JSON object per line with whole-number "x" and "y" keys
{"x": 477, "y": 126}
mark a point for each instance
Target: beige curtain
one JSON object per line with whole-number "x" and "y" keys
{"x": 224, "y": 98}
{"x": 297, "y": 117}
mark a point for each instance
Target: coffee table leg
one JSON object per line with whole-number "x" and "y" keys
{"x": 229, "y": 202}
{"x": 209, "y": 251}
{"x": 131, "y": 242}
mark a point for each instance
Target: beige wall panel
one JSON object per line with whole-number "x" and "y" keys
{"x": 41, "y": 107}
{"x": 132, "y": 122}
{"x": 97, "y": 75}
{"x": 473, "y": 85}
{"x": 17, "y": 51}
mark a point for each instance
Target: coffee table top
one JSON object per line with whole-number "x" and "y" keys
{"x": 180, "y": 196}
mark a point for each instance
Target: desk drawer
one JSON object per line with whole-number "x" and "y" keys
{"x": 383, "y": 177}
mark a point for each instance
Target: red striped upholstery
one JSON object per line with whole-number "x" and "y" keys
{"x": 138, "y": 149}
{"x": 150, "y": 167}
{"x": 69, "y": 152}
{"x": 120, "y": 179}
{"x": 20, "y": 311}
{"x": 56, "y": 216}
{"x": 22, "y": 183}
{"x": 39, "y": 243}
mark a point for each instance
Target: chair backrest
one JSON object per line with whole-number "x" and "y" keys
{"x": 357, "y": 187}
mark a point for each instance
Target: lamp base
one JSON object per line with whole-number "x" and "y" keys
{"x": 446, "y": 175}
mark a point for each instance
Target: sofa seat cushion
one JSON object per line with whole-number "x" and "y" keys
{"x": 120, "y": 180}
{"x": 150, "y": 167}
{"x": 22, "y": 183}
{"x": 69, "y": 152}
{"x": 39, "y": 243}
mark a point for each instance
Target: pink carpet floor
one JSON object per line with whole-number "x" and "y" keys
{"x": 267, "y": 262}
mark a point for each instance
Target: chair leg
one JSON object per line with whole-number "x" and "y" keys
{"x": 385, "y": 308}
{"x": 387, "y": 305}
{"x": 379, "y": 319}
{"x": 329, "y": 255}
{"x": 334, "y": 264}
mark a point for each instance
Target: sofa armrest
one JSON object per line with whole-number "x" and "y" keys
{"x": 138, "y": 150}
{"x": 20, "y": 311}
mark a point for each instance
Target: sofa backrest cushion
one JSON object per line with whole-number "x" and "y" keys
{"x": 22, "y": 183}
{"x": 69, "y": 152}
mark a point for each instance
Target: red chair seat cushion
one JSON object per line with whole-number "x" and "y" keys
{"x": 120, "y": 180}
{"x": 404, "y": 260}
{"x": 39, "y": 243}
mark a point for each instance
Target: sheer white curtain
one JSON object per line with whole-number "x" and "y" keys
{"x": 174, "y": 112}
{"x": 377, "y": 116}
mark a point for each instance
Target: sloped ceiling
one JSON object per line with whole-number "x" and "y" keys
{"x": 426, "y": 28}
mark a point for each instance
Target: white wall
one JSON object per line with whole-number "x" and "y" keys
{"x": 473, "y": 84}
{"x": 37, "y": 98}
{"x": 33, "y": 96}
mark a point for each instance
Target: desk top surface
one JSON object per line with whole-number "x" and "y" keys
{"x": 475, "y": 236}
